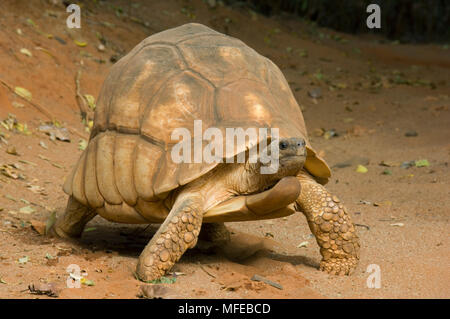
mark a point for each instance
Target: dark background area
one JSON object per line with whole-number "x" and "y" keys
{"x": 403, "y": 20}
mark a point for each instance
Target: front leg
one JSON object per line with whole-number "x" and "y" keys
{"x": 331, "y": 225}
{"x": 179, "y": 232}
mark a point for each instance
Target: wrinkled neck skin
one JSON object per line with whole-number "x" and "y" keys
{"x": 234, "y": 179}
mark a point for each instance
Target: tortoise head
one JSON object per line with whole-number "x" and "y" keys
{"x": 286, "y": 157}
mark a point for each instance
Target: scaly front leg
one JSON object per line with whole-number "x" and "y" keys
{"x": 179, "y": 232}
{"x": 331, "y": 225}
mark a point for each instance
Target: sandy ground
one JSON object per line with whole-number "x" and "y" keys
{"x": 372, "y": 92}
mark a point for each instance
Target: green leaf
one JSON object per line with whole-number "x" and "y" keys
{"x": 82, "y": 144}
{"x": 422, "y": 163}
{"x": 90, "y": 100}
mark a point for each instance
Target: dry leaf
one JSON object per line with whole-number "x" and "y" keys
{"x": 26, "y": 52}
{"x": 22, "y": 92}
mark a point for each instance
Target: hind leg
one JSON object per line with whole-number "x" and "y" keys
{"x": 71, "y": 223}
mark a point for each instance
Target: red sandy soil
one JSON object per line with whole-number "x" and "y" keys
{"x": 372, "y": 93}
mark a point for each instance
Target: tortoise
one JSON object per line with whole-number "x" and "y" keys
{"x": 127, "y": 173}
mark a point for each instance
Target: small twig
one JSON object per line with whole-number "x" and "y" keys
{"x": 362, "y": 225}
{"x": 40, "y": 108}
{"x": 80, "y": 100}
{"x": 206, "y": 271}
{"x": 267, "y": 281}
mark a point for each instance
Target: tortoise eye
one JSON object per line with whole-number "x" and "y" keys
{"x": 283, "y": 145}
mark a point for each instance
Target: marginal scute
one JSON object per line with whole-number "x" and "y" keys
{"x": 166, "y": 177}
{"x": 105, "y": 168}
{"x": 94, "y": 198}
{"x": 78, "y": 180}
{"x": 146, "y": 165}
{"x": 122, "y": 213}
{"x": 123, "y": 167}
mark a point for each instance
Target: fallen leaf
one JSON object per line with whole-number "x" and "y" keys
{"x": 329, "y": 134}
{"x": 26, "y": 52}
{"x": 55, "y": 132}
{"x": 36, "y": 189}
{"x": 82, "y": 144}
{"x": 27, "y": 210}
{"x": 80, "y": 43}
{"x": 361, "y": 169}
{"x": 23, "y": 260}
{"x": 398, "y": 224}
{"x": 12, "y": 150}
{"x": 90, "y": 100}
{"x": 22, "y": 92}
{"x": 422, "y": 163}
{"x": 87, "y": 282}
{"x": 303, "y": 244}
{"x": 43, "y": 145}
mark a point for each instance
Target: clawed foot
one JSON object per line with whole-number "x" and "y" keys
{"x": 153, "y": 267}
{"x": 339, "y": 266}
{"x": 57, "y": 232}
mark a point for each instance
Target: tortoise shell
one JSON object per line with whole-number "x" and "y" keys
{"x": 166, "y": 82}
